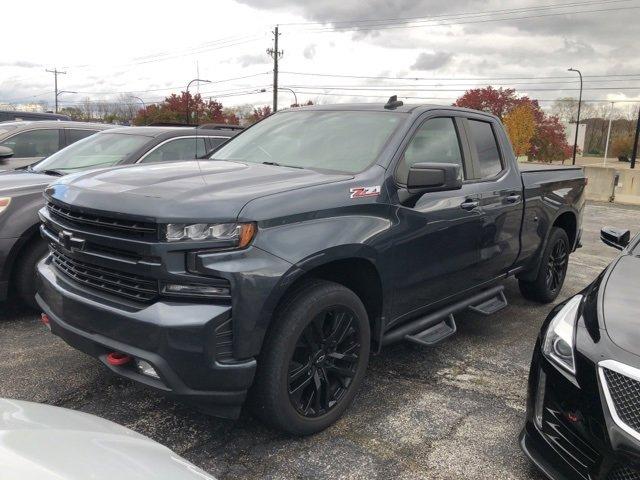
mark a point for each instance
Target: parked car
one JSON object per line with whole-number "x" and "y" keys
{"x": 21, "y": 246}
{"x": 41, "y": 442}
{"x": 13, "y": 115}
{"x": 583, "y": 412}
{"x": 318, "y": 233}
{"x": 25, "y": 143}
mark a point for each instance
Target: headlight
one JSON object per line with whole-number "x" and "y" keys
{"x": 4, "y": 203}
{"x": 558, "y": 345}
{"x": 228, "y": 235}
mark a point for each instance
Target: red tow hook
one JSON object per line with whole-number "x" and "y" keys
{"x": 118, "y": 359}
{"x": 46, "y": 321}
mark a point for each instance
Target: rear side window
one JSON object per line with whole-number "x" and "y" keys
{"x": 435, "y": 141}
{"x": 74, "y": 135}
{"x": 489, "y": 162}
{"x": 179, "y": 149}
{"x": 34, "y": 143}
{"x": 216, "y": 142}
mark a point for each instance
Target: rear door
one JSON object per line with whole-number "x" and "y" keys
{"x": 497, "y": 184}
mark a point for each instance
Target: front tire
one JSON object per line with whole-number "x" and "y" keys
{"x": 553, "y": 270}
{"x": 25, "y": 271}
{"x": 313, "y": 360}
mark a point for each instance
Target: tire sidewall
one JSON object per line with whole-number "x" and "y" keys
{"x": 298, "y": 316}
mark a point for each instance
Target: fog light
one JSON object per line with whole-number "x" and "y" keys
{"x": 145, "y": 368}
{"x": 195, "y": 290}
{"x": 539, "y": 405}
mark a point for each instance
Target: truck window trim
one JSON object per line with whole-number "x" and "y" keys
{"x": 474, "y": 152}
{"x": 460, "y": 133}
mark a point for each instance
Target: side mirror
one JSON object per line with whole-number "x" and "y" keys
{"x": 434, "y": 177}
{"x": 5, "y": 152}
{"x": 615, "y": 237}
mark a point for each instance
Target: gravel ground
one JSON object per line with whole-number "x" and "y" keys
{"x": 449, "y": 412}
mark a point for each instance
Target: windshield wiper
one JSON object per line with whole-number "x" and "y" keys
{"x": 275, "y": 164}
{"x": 57, "y": 173}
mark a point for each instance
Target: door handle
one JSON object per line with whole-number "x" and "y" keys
{"x": 513, "y": 198}
{"x": 469, "y": 204}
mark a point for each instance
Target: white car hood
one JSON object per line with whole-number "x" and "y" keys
{"x": 41, "y": 442}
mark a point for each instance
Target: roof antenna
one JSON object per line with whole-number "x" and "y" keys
{"x": 393, "y": 103}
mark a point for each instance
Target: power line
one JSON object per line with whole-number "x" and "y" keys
{"x": 456, "y": 22}
{"x": 451, "y": 16}
{"x": 382, "y": 77}
{"x": 392, "y": 88}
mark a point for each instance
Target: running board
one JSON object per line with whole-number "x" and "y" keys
{"x": 420, "y": 325}
{"x": 435, "y": 334}
{"x": 491, "y": 305}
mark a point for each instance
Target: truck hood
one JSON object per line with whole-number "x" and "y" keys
{"x": 18, "y": 181}
{"x": 188, "y": 190}
{"x": 41, "y": 442}
{"x": 621, "y": 304}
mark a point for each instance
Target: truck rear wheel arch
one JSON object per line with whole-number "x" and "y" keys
{"x": 568, "y": 222}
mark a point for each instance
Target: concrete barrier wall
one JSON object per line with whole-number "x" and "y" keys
{"x": 601, "y": 184}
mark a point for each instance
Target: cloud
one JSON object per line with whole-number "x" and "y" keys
{"x": 431, "y": 61}
{"x": 248, "y": 60}
{"x": 309, "y": 51}
{"x": 21, "y": 64}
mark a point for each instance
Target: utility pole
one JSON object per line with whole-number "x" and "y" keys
{"x": 606, "y": 147}
{"x": 275, "y": 54}
{"x": 634, "y": 154}
{"x": 56, "y": 72}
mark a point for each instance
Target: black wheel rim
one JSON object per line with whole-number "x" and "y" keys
{"x": 557, "y": 265}
{"x": 324, "y": 362}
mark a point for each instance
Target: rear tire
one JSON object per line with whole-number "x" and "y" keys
{"x": 313, "y": 360}
{"x": 553, "y": 270}
{"x": 25, "y": 277}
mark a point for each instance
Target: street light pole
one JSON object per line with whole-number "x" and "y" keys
{"x": 634, "y": 154}
{"x": 575, "y": 141}
{"x": 606, "y": 146}
{"x": 199, "y": 80}
{"x": 295, "y": 97}
{"x": 60, "y": 93}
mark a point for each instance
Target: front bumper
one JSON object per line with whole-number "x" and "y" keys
{"x": 576, "y": 439}
{"x": 178, "y": 339}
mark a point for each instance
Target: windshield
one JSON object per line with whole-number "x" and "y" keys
{"x": 341, "y": 141}
{"x": 100, "y": 150}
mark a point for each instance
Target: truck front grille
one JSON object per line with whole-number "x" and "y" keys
{"x": 126, "y": 285}
{"x": 103, "y": 223}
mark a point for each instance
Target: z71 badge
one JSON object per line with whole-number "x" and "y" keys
{"x": 359, "y": 192}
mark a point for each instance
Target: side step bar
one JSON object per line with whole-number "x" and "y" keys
{"x": 418, "y": 328}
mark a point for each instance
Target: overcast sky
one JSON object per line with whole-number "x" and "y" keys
{"x": 153, "y": 48}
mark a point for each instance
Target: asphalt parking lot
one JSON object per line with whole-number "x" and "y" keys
{"x": 449, "y": 412}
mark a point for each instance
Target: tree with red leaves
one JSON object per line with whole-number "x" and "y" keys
{"x": 547, "y": 144}
{"x": 259, "y": 113}
{"x": 174, "y": 110}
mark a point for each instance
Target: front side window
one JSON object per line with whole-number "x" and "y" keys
{"x": 436, "y": 141}
{"x": 100, "y": 150}
{"x": 344, "y": 141}
{"x": 178, "y": 149}
{"x": 486, "y": 147}
{"x": 34, "y": 143}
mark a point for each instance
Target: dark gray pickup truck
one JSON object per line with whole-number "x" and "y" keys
{"x": 319, "y": 235}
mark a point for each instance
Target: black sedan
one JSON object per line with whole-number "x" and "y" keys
{"x": 583, "y": 411}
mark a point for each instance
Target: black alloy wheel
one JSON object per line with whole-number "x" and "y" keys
{"x": 557, "y": 265}
{"x": 324, "y": 362}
